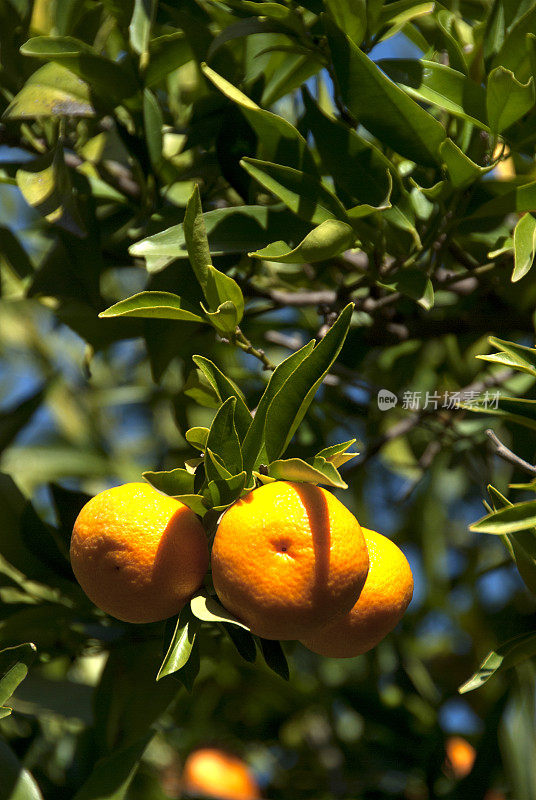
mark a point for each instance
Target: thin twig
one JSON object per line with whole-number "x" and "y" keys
{"x": 245, "y": 345}
{"x": 508, "y": 455}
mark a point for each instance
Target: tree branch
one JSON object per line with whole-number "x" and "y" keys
{"x": 508, "y": 455}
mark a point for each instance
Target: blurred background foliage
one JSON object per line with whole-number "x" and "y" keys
{"x": 108, "y": 124}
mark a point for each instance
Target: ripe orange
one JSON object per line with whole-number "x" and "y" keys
{"x": 288, "y": 557}
{"x": 138, "y": 554}
{"x": 460, "y": 756}
{"x": 214, "y": 773}
{"x": 385, "y": 596}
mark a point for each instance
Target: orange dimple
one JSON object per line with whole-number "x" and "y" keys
{"x": 288, "y": 557}
{"x": 213, "y": 773}
{"x": 138, "y": 554}
{"x": 381, "y": 604}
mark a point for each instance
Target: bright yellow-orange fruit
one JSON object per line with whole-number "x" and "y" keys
{"x": 287, "y": 557}
{"x": 385, "y": 596}
{"x": 460, "y": 756}
{"x": 138, "y": 554}
{"x": 213, "y": 773}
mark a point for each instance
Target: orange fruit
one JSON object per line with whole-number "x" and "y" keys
{"x": 385, "y": 596}
{"x": 460, "y": 756}
{"x": 138, "y": 554}
{"x": 214, "y": 773}
{"x": 287, "y": 557}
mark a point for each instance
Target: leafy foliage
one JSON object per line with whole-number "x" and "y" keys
{"x": 226, "y": 227}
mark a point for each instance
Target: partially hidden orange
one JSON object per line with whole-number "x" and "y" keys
{"x": 211, "y": 772}
{"x": 460, "y": 757}
{"x": 384, "y": 599}
{"x": 288, "y": 557}
{"x": 138, "y": 554}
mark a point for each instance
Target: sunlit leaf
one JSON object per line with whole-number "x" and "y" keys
{"x": 207, "y": 608}
{"x": 441, "y": 86}
{"x": 174, "y": 482}
{"x": 45, "y": 184}
{"x": 152, "y": 305}
{"x": 303, "y": 194}
{"x": 524, "y": 246}
{"x": 182, "y": 642}
{"x": 295, "y": 469}
{"x": 507, "y": 99}
{"x": 506, "y": 655}
{"x": 329, "y": 239}
{"x": 51, "y": 91}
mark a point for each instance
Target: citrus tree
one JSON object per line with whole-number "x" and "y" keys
{"x": 236, "y": 238}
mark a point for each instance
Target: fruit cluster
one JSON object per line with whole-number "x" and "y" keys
{"x": 289, "y": 560}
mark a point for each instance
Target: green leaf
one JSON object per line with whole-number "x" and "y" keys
{"x": 243, "y": 641}
{"x": 214, "y": 468}
{"x": 414, "y": 283}
{"x": 275, "y": 658}
{"x": 350, "y": 16}
{"x": 462, "y": 171}
{"x": 329, "y": 239}
{"x": 113, "y": 774}
{"x": 524, "y": 246}
{"x": 278, "y": 139}
{"x": 522, "y": 357}
{"x": 357, "y": 166}
{"x": 396, "y": 14}
{"x": 166, "y": 54}
{"x": 303, "y": 194}
{"x": 507, "y": 99}
{"x": 291, "y": 402}
{"x": 355, "y": 163}
{"x": 222, "y": 492}
{"x": 295, "y": 469}
{"x": 45, "y": 184}
{"x": 195, "y": 502}
{"x": 197, "y": 437}
{"x": 208, "y": 609}
{"x": 14, "y": 663}
{"x": 223, "y": 439}
{"x": 225, "y": 388}
{"x": 441, "y": 86}
{"x": 380, "y": 106}
{"x": 52, "y": 91}
{"x": 518, "y": 199}
{"x": 506, "y": 655}
{"x": 141, "y": 25}
{"x": 450, "y": 41}
{"x": 17, "y": 782}
{"x": 107, "y": 78}
{"x": 152, "y": 305}
{"x": 229, "y": 230}
{"x": 254, "y": 444}
{"x": 514, "y": 54}
{"x": 514, "y": 518}
{"x": 512, "y": 409}
{"x": 174, "y": 482}
{"x": 336, "y": 453}
{"x": 224, "y": 319}
{"x": 182, "y": 642}
{"x": 153, "y": 122}
{"x": 220, "y": 289}
{"x": 195, "y": 236}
